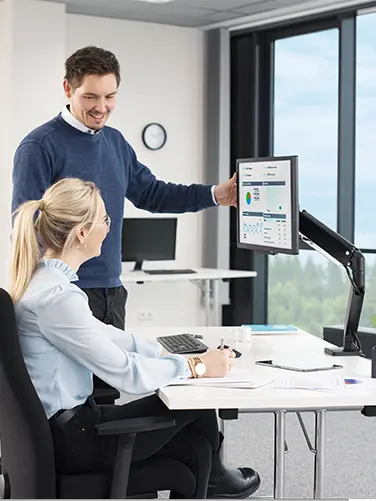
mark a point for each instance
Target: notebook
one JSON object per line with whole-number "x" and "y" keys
{"x": 271, "y": 328}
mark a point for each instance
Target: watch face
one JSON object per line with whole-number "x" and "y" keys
{"x": 200, "y": 369}
{"x": 154, "y": 136}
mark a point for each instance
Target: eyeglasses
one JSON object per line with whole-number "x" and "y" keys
{"x": 106, "y": 220}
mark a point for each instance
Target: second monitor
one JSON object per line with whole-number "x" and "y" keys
{"x": 150, "y": 239}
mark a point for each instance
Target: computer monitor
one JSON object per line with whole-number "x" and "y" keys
{"x": 148, "y": 239}
{"x": 268, "y": 210}
{"x": 269, "y": 220}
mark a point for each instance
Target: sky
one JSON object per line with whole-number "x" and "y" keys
{"x": 306, "y": 119}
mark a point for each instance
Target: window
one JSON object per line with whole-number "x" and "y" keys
{"x": 308, "y": 289}
{"x": 303, "y": 113}
{"x": 305, "y": 123}
{"x": 365, "y": 174}
{"x": 306, "y": 116}
{"x": 369, "y": 306}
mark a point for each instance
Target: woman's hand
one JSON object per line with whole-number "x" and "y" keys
{"x": 218, "y": 362}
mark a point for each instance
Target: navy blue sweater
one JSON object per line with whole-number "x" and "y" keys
{"x": 56, "y": 150}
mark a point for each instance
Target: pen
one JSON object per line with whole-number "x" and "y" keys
{"x": 222, "y": 343}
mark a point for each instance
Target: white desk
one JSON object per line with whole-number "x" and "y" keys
{"x": 205, "y": 278}
{"x": 269, "y": 399}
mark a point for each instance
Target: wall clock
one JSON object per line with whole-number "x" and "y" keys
{"x": 154, "y": 136}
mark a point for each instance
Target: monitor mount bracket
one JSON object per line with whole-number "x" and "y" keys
{"x": 317, "y": 235}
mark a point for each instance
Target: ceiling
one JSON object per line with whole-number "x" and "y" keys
{"x": 192, "y": 13}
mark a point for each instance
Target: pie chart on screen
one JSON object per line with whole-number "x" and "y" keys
{"x": 248, "y": 198}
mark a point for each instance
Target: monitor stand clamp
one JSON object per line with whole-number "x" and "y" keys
{"x": 370, "y": 410}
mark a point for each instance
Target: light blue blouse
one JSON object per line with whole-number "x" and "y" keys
{"x": 63, "y": 345}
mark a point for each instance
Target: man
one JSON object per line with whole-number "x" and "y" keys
{"x": 77, "y": 143}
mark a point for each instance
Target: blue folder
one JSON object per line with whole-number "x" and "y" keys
{"x": 271, "y": 327}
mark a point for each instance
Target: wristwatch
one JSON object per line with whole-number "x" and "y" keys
{"x": 199, "y": 367}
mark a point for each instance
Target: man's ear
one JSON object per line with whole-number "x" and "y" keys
{"x": 67, "y": 89}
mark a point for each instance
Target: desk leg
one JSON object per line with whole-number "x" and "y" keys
{"x": 279, "y": 454}
{"x": 207, "y": 300}
{"x": 215, "y": 289}
{"x": 320, "y": 454}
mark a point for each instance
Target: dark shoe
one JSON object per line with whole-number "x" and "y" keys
{"x": 236, "y": 483}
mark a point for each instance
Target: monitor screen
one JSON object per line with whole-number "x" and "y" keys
{"x": 268, "y": 210}
{"x": 148, "y": 239}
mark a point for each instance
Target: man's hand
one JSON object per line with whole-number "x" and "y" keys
{"x": 226, "y": 193}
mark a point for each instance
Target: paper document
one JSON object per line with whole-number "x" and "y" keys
{"x": 327, "y": 380}
{"x": 236, "y": 378}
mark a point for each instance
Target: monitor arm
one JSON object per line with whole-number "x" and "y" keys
{"x": 317, "y": 235}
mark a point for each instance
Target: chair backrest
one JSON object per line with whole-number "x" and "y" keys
{"x": 26, "y": 441}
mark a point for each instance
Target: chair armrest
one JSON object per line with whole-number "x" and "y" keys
{"x": 105, "y": 396}
{"x": 127, "y": 429}
{"x": 134, "y": 425}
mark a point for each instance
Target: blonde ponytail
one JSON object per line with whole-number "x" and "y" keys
{"x": 66, "y": 205}
{"x": 25, "y": 253}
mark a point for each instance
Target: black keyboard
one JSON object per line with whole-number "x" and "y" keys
{"x": 169, "y": 272}
{"x": 182, "y": 344}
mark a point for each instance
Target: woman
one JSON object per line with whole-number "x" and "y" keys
{"x": 63, "y": 345}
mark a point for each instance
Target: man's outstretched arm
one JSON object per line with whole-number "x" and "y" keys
{"x": 146, "y": 192}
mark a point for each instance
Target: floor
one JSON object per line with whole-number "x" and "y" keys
{"x": 350, "y": 471}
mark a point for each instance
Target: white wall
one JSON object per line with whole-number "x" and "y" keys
{"x": 5, "y": 137}
{"x": 32, "y": 49}
{"x": 37, "y": 57}
{"x": 162, "y": 81}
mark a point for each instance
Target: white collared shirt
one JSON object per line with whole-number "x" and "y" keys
{"x": 72, "y": 120}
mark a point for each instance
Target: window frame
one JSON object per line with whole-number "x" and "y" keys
{"x": 252, "y": 89}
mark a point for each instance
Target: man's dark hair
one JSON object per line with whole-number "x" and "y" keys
{"x": 90, "y": 60}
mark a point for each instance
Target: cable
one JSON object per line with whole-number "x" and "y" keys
{"x": 358, "y": 291}
{"x": 352, "y": 281}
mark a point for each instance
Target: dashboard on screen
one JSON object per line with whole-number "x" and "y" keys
{"x": 268, "y": 209}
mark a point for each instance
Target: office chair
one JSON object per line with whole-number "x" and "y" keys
{"x": 27, "y": 449}
{"x": 105, "y": 395}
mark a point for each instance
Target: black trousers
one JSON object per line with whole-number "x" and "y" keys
{"x": 194, "y": 440}
{"x": 108, "y": 305}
